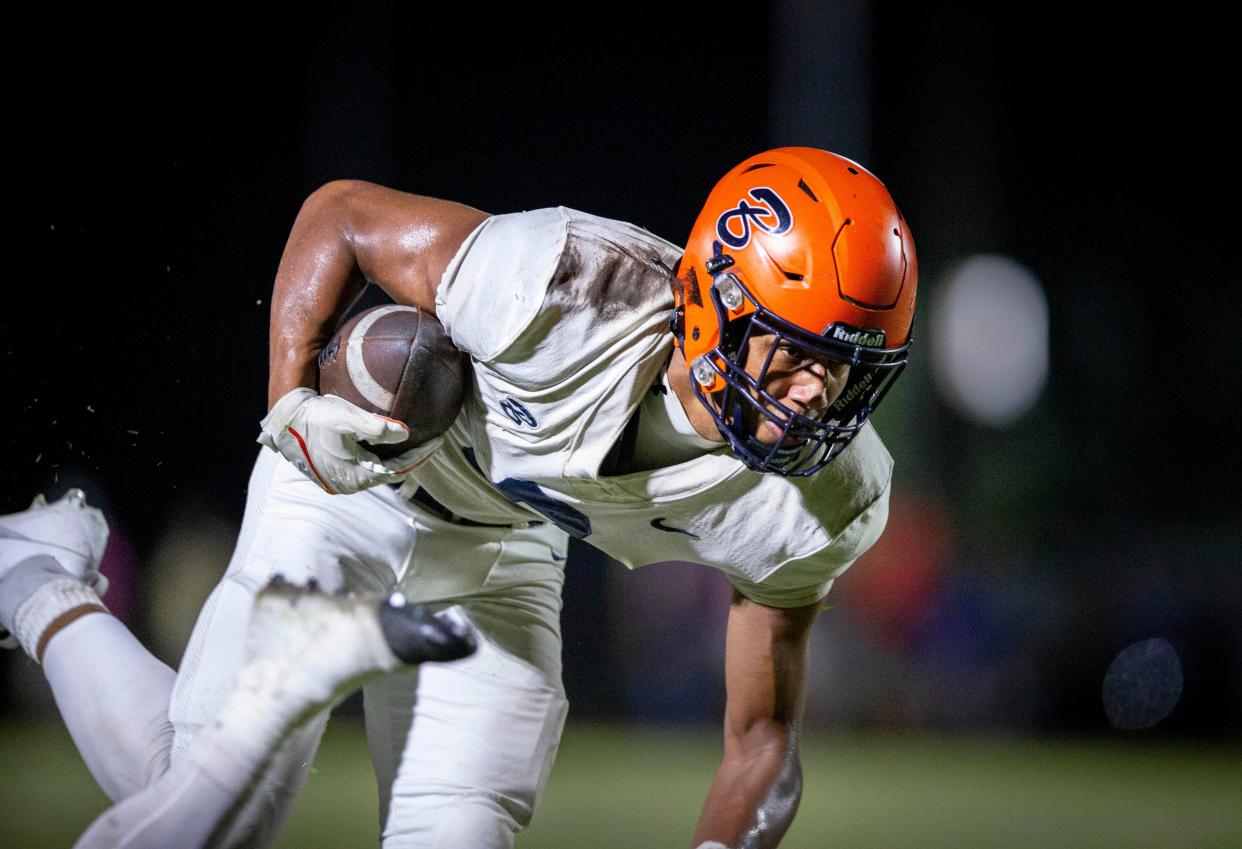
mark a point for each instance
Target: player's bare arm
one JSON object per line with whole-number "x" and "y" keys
{"x": 349, "y": 233}
{"x": 759, "y": 783}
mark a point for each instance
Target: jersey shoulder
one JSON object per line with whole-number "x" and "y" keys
{"x": 850, "y": 484}
{"x": 549, "y": 263}
{"x": 849, "y": 500}
{"x": 496, "y": 281}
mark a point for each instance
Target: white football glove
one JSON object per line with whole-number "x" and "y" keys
{"x": 320, "y": 434}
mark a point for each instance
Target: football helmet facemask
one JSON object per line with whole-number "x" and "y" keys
{"x": 807, "y": 246}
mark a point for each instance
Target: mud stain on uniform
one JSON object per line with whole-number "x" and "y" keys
{"x": 610, "y": 276}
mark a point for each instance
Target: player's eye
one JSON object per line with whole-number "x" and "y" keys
{"x": 792, "y": 352}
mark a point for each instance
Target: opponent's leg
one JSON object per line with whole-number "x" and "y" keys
{"x": 462, "y": 751}
{"x": 306, "y": 650}
{"x": 293, "y": 528}
{"x": 112, "y": 693}
{"x": 279, "y": 535}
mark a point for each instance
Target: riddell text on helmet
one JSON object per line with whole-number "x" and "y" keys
{"x": 865, "y": 338}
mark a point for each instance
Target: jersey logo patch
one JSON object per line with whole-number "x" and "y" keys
{"x": 772, "y": 216}
{"x": 516, "y": 410}
{"x": 659, "y": 525}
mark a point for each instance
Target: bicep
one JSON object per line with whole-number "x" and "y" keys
{"x": 403, "y": 242}
{"x": 765, "y": 660}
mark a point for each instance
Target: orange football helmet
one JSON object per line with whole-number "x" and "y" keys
{"x": 809, "y": 246}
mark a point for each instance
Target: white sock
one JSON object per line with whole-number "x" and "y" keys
{"x": 283, "y": 685}
{"x": 49, "y": 609}
{"x": 185, "y": 808}
{"x": 26, "y": 577}
{"x": 195, "y": 799}
{"x": 113, "y": 695}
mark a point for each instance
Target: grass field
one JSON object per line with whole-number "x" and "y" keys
{"x": 619, "y": 788}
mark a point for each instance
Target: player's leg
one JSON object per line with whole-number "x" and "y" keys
{"x": 305, "y": 650}
{"x": 292, "y": 528}
{"x": 112, "y": 693}
{"x": 462, "y": 751}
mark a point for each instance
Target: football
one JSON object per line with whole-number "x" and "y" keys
{"x": 397, "y": 361}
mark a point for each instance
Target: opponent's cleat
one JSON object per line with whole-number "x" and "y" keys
{"x": 306, "y": 649}
{"x": 416, "y": 635}
{"x": 68, "y": 529}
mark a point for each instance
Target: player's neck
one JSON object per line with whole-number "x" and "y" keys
{"x": 679, "y": 382}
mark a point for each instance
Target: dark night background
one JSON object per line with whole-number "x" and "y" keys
{"x": 167, "y": 168}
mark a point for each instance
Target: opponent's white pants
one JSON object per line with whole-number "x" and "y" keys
{"x": 461, "y": 750}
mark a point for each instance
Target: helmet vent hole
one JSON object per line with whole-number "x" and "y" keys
{"x": 802, "y": 185}
{"x": 896, "y": 232}
{"x": 853, "y": 171}
{"x": 789, "y": 275}
{"x": 757, "y": 166}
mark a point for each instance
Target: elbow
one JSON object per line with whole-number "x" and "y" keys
{"x": 332, "y": 206}
{"x": 331, "y": 193}
{"x": 769, "y": 748}
{"x": 762, "y": 735}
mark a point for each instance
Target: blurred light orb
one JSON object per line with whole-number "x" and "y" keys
{"x": 1143, "y": 685}
{"x": 989, "y": 339}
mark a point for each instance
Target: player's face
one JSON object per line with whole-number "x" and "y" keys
{"x": 803, "y": 382}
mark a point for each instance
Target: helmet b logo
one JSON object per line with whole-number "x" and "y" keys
{"x": 772, "y": 216}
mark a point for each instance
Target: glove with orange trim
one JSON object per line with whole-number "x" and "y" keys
{"x": 320, "y": 435}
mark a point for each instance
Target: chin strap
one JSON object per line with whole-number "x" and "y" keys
{"x": 677, "y": 316}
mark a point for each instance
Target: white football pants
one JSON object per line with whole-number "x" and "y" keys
{"x": 461, "y": 750}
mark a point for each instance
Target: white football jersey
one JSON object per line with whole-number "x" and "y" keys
{"x": 566, "y": 320}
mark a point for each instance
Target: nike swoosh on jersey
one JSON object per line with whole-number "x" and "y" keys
{"x": 659, "y": 525}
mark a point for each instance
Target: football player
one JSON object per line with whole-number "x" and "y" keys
{"x": 708, "y": 405}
